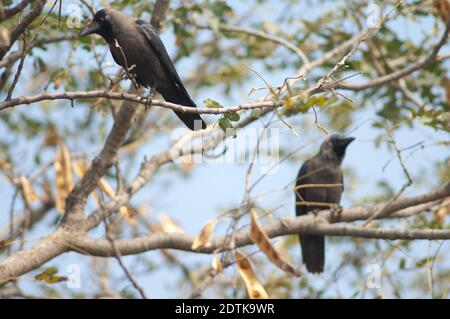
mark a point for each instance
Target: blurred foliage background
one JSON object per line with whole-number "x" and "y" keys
{"x": 210, "y": 43}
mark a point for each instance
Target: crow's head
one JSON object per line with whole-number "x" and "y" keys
{"x": 101, "y": 24}
{"x": 333, "y": 148}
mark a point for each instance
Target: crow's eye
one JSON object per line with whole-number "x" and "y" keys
{"x": 101, "y": 20}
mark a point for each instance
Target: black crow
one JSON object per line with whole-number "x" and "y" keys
{"x": 136, "y": 46}
{"x": 322, "y": 168}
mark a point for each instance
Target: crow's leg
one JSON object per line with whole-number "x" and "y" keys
{"x": 315, "y": 212}
{"x": 149, "y": 97}
{"x": 335, "y": 213}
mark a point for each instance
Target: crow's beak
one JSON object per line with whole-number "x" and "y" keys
{"x": 345, "y": 141}
{"x": 92, "y": 27}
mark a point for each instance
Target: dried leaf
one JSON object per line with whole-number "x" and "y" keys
{"x": 127, "y": 213}
{"x": 204, "y": 236}
{"x": 4, "y": 164}
{"x": 155, "y": 228}
{"x": 444, "y": 210}
{"x": 51, "y": 136}
{"x": 80, "y": 168}
{"x": 217, "y": 265}
{"x": 168, "y": 225}
{"x": 447, "y": 90}
{"x": 5, "y": 37}
{"x": 187, "y": 163}
{"x": 47, "y": 190}
{"x": 260, "y": 238}
{"x": 443, "y": 7}
{"x": 28, "y": 193}
{"x": 104, "y": 186}
{"x": 254, "y": 288}
{"x": 63, "y": 172}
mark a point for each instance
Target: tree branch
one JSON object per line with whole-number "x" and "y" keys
{"x": 432, "y": 57}
{"x": 21, "y": 27}
{"x": 19, "y": 222}
{"x": 308, "y": 224}
{"x": 132, "y": 98}
{"x": 9, "y": 12}
{"x": 14, "y": 56}
{"x": 159, "y": 14}
{"x": 264, "y": 36}
{"x": 282, "y": 227}
{"x": 76, "y": 200}
{"x": 58, "y": 242}
{"x": 26, "y": 260}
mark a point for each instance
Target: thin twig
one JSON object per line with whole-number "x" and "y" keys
{"x": 118, "y": 257}
{"x": 408, "y": 183}
{"x": 89, "y": 6}
{"x": 19, "y": 71}
{"x": 11, "y": 219}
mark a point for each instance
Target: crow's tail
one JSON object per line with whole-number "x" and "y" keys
{"x": 179, "y": 96}
{"x": 313, "y": 252}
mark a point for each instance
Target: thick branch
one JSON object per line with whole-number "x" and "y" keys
{"x": 9, "y": 12}
{"x": 24, "y": 23}
{"x": 285, "y": 226}
{"x": 26, "y": 260}
{"x": 76, "y": 200}
{"x": 57, "y": 243}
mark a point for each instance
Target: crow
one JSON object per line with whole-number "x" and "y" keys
{"x": 135, "y": 45}
{"x": 322, "y": 168}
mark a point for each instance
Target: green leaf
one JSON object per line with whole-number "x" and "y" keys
{"x": 422, "y": 262}
{"x": 212, "y": 104}
{"x": 50, "y": 271}
{"x": 232, "y": 116}
{"x": 316, "y": 100}
{"x": 402, "y": 263}
{"x": 224, "y": 124}
{"x": 227, "y": 127}
{"x": 49, "y": 276}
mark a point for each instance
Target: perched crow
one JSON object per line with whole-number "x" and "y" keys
{"x": 322, "y": 168}
{"x": 136, "y": 43}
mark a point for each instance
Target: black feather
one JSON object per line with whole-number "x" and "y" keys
{"x": 173, "y": 92}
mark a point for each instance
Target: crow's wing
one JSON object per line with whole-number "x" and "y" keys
{"x": 302, "y": 178}
{"x": 174, "y": 91}
{"x": 160, "y": 51}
